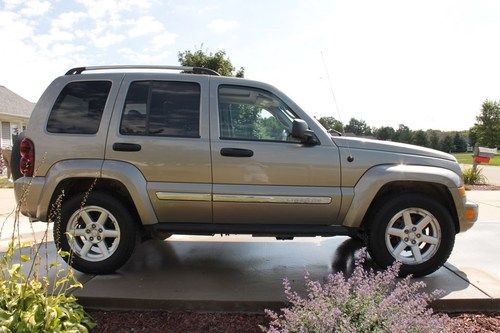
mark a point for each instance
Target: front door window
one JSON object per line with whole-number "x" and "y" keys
{"x": 253, "y": 114}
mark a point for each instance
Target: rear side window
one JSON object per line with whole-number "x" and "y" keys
{"x": 78, "y": 108}
{"x": 162, "y": 108}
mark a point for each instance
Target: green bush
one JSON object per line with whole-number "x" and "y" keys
{"x": 28, "y": 303}
{"x": 473, "y": 177}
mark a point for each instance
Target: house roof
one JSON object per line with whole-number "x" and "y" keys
{"x": 14, "y": 105}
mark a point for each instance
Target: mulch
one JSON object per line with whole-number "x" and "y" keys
{"x": 194, "y": 322}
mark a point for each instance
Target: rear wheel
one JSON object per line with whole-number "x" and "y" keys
{"x": 100, "y": 234}
{"x": 413, "y": 229}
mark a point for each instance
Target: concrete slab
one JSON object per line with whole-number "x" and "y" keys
{"x": 243, "y": 275}
{"x": 475, "y": 257}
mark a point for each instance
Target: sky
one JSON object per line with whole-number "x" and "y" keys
{"x": 425, "y": 64}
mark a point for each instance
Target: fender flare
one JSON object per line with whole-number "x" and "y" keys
{"x": 123, "y": 172}
{"x": 376, "y": 177}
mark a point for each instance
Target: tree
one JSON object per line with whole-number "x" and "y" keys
{"x": 331, "y": 124}
{"x": 473, "y": 135}
{"x": 357, "y": 127}
{"x": 420, "y": 139}
{"x": 384, "y": 133}
{"x": 459, "y": 143}
{"x": 433, "y": 139}
{"x": 447, "y": 144}
{"x": 217, "y": 61}
{"x": 488, "y": 124}
{"x": 403, "y": 134}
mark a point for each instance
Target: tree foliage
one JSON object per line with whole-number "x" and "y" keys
{"x": 447, "y": 144}
{"x": 357, "y": 127}
{"x": 217, "y": 61}
{"x": 487, "y": 126}
{"x": 459, "y": 143}
{"x": 433, "y": 139}
{"x": 420, "y": 139}
{"x": 385, "y": 133}
{"x": 331, "y": 124}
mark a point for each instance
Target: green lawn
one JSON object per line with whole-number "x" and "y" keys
{"x": 466, "y": 158}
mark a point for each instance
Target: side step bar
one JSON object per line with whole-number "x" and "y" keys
{"x": 302, "y": 230}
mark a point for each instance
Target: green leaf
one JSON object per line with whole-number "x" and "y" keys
{"x": 24, "y": 258}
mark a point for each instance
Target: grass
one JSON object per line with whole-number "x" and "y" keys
{"x": 5, "y": 183}
{"x": 466, "y": 158}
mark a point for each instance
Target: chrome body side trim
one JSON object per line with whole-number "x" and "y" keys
{"x": 184, "y": 196}
{"x": 284, "y": 199}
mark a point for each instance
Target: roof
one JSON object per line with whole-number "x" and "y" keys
{"x": 13, "y": 104}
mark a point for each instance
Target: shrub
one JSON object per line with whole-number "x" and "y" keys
{"x": 473, "y": 176}
{"x": 367, "y": 301}
{"x": 28, "y": 303}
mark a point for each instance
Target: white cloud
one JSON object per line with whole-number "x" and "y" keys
{"x": 35, "y": 8}
{"x": 142, "y": 56}
{"x": 100, "y": 8}
{"x": 13, "y": 27}
{"x": 145, "y": 25}
{"x": 163, "y": 39}
{"x": 68, "y": 20}
{"x": 107, "y": 39}
{"x": 220, "y": 26}
{"x": 11, "y": 4}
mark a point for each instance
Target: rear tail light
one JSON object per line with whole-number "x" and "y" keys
{"x": 27, "y": 162}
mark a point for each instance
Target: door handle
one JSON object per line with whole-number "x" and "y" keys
{"x": 236, "y": 152}
{"x": 122, "y": 146}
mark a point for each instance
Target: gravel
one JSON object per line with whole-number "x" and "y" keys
{"x": 163, "y": 321}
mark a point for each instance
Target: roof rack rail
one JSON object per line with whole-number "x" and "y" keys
{"x": 194, "y": 70}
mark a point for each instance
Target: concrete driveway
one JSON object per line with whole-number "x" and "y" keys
{"x": 241, "y": 273}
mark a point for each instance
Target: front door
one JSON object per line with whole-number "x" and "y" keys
{"x": 157, "y": 127}
{"x": 260, "y": 173}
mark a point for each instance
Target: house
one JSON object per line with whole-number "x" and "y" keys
{"x": 14, "y": 114}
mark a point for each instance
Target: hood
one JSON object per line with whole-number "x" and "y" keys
{"x": 389, "y": 146}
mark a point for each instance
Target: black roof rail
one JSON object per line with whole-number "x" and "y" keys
{"x": 194, "y": 70}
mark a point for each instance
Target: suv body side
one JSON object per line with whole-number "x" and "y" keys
{"x": 185, "y": 177}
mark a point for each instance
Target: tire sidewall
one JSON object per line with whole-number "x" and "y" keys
{"x": 123, "y": 217}
{"x": 393, "y": 205}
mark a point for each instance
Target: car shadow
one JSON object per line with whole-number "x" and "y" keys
{"x": 260, "y": 262}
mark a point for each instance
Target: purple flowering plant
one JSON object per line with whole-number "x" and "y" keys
{"x": 367, "y": 301}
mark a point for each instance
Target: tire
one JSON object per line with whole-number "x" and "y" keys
{"x": 421, "y": 250}
{"x": 118, "y": 233}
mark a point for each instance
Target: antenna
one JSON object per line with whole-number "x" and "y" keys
{"x": 350, "y": 158}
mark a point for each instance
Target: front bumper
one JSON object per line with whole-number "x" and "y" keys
{"x": 471, "y": 213}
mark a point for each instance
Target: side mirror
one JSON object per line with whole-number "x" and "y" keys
{"x": 301, "y": 131}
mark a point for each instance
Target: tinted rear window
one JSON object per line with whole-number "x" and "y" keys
{"x": 78, "y": 108}
{"x": 162, "y": 108}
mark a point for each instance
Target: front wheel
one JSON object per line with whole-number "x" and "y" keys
{"x": 413, "y": 229}
{"x": 100, "y": 234}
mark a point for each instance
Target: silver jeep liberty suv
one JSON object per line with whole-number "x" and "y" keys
{"x": 192, "y": 152}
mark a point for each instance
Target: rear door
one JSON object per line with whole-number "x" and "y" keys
{"x": 157, "y": 126}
